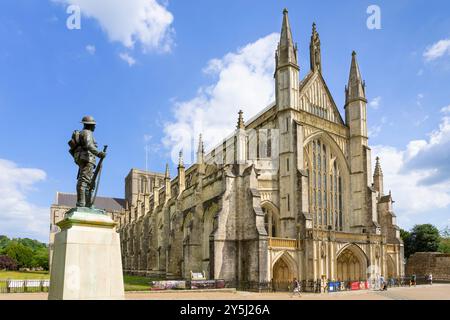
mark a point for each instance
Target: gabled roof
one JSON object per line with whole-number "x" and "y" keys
{"x": 308, "y": 81}
{"x": 108, "y": 204}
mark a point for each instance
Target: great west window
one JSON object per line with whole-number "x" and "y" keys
{"x": 325, "y": 186}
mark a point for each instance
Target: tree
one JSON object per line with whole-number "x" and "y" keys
{"x": 20, "y": 253}
{"x": 445, "y": 233}
{"x": 444, "y": 245}
{"x": 25, "y": 252}
{"x": 30, "y": 243}
{"x": 6, "y": 263}
{"x": 4, "y": 240}
{"x": 40, "y": 258}
{"x": 424, "y": 238}
{"x": 406, "y": 237}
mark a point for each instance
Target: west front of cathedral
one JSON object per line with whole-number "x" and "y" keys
{"x": 290, "y": 194}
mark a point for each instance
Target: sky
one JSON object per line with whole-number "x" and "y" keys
{"x": 156, "y": 73}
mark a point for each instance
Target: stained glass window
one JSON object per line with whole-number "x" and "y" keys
{"x": 325, "y": 186}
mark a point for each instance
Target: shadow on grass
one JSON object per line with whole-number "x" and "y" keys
{"x": 137, "y": 283}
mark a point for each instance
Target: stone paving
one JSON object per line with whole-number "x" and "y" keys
{"x": 423, "y": 292}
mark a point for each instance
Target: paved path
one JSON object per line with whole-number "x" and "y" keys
{"x": 425, "y": 292}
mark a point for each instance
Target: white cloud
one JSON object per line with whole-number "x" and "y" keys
{"x": 419, "y": 99}
{"x": 131, "y": 21}
{"x": 411, "y": 197}
{"x": 375, "y": 102}
{"x": 19, "y": 217}
{"x": 127, "y": 58}
{"x": 90, "y": 49}
{"x": 418, "y": 175}
{"x": 437, "y": 50}
{"x": 244, "y": 81}
{"x": 446, "y": 109}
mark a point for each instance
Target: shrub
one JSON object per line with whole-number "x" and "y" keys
{"x": 7, "y": 263}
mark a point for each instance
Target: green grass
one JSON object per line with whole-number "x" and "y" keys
{"x": 21, "y": 275}
{"x": 136, "y": 283}
{"x": 132, "y": 283}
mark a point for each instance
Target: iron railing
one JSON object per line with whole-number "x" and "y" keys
{"x": 22, "y": 286}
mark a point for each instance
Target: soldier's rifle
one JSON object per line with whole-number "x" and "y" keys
{"x": 94, "y": 183}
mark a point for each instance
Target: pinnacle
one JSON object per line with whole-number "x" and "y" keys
{"x": 240, "y": 123}
{"x": 355, "y": 88}
{"x": 167, "y": 171}
{"x": 180, "y": 159}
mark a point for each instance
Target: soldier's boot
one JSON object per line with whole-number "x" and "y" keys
{"x": 89, "y": 199}
{"x": 81, "y": 195}
{"x": 88, "y": 196}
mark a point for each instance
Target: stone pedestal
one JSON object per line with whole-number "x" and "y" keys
{"x": 86, "y": 258}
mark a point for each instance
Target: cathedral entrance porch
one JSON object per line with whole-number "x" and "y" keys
{"x": 284, "y": 270}
{"x": 351, "y": 264}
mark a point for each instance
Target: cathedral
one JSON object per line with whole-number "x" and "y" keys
{"x": 290, "y": 193}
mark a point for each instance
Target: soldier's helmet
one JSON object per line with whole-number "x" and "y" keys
{"x": 88, "y": 120}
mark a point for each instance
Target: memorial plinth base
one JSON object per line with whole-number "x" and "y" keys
{"x": 86, "y": 262}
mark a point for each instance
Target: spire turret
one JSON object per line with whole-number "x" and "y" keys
{"x": 314, "y": 50}
{"x": 355, "y": 90}
{"x": 240, "y": 123}
{"x": 155, "y": 194}
{"x": 360, "y": 153}
{"x": 167, "y": 175}
{"x": 200, "y": 150}
{"x": 181, "y": 174}
{"x": 287, "y": 52}
{"x": 378, "y": 171}
{"x": 167, "y": 184}
{"x": 286, "y": 69}
{"x": 180, "y": 159}
{"x": 378, "y": 177}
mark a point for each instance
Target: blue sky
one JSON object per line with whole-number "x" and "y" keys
{"x": 144, "y": 80}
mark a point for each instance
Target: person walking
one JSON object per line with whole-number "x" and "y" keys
{"x": 430, "y": 278}
{"x": 296, "y": 287}
{"x": 382, "y": 283}
{"x": 413, "y": 280}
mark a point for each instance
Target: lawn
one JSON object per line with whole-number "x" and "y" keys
{"x": 136, "y": 283}
{"x": 132, "y": 283}
{"x": 16, "y": 275}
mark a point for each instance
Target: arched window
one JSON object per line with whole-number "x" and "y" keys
{"x": 325, "y": 186}
{"x": 270, "y": 222}
{"x": 187, "y": 226}
{"x": 144, "y": 184}
{"x": 208, "y": 226}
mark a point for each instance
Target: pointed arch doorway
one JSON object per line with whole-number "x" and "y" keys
{"x": 390, "y": 267}
{"x": 283, "y": 273}
{"x": 351, "y": 264}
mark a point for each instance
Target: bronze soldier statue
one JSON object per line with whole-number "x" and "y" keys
{"x": 84, "y": 150}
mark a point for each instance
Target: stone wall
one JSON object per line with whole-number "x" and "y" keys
{"x": 424, "y": 263}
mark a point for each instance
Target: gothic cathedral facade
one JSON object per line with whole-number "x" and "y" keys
{"x": 290, "y": 194}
